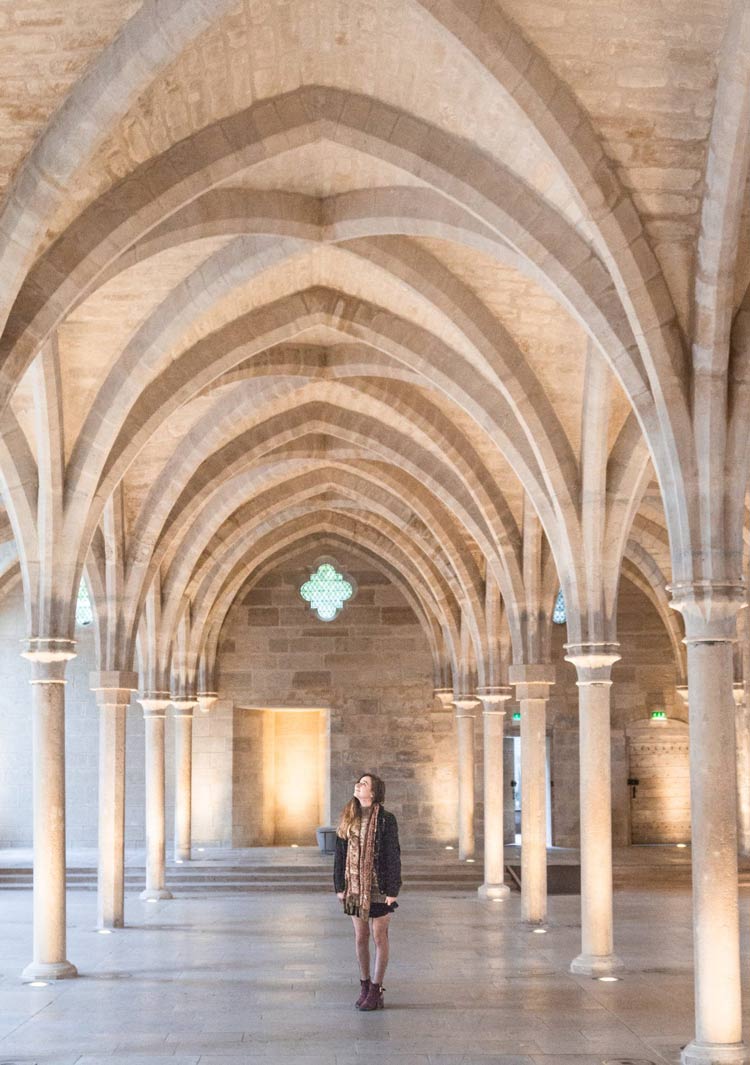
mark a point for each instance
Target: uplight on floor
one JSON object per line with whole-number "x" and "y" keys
{"x": 539, "y": 931}
{"x": 38, "y": 983}
{"x": 682, "y": 846}
{"x": 104, "y": 931}
{"x": 294, "y": 846}
{"x": 449, "y": 848}
{"x": 471, "y": 860}
{"x": 608, "y": 979}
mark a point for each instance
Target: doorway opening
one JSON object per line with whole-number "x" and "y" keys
{"x": 516, "y": 796}
{"x": 659, "y": 780}
{"x": 295, "y": 771}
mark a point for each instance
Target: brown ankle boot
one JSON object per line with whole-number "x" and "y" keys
{"x": 364, "y": 988}
{"x": 374, "y": 1000}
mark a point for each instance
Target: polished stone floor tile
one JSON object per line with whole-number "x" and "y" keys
{"x": 271, "y": 980}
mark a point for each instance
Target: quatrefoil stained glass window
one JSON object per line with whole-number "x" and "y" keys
{"x": 559, "y": 614}
{"x": 326, "y": 591}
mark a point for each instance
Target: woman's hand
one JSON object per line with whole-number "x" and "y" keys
{"x": 390, "y": 899}
{"x": 340, "y": 895}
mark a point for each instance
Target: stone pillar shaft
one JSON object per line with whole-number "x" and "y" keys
{"x": 493, "y": 721}
{"x": 594, "y": 663}
{"x": 532, "y": 690}
{"x": 49, "y": 659}
{"x": 112, "y": 691}
{"x": 183, "y": 761}
{"x": 154, "y": 713}
{"x": 742, "y": 730}
{"x": 709, "y": 610}
{"x": 714, "y": 844}
{"x": 465, "y": 705}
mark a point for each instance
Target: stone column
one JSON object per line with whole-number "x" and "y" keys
{"x": 444, "y": 697}
{"x": 532, "y": 685}
{"x": 465, "y": 706}
{"x": 709, "y": 611}
{"x": 48, "y": 659}
{"x": 154, "y": 712}
{"x": 207, "y": 701}
{"x": 742, "y": 730}
{"x": 183, "y": 768}
{"x": 493, "y": 718}
{"x": 593, "y": 662}
{"x": 112, "y": 691}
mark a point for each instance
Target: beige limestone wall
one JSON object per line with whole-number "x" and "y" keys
{"x": 371, "y": 666}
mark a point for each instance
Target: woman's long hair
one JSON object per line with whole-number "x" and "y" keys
{"x": 352, "y": 812}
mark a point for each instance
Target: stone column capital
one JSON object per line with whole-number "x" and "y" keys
{"x": 183, "y": 705}
{"x": 207, "y": 701}
{"x": 49, "y": 655}
{"x": 465, "y": 704}
{"x": 113, "y": 687}
{"x": 154, "y": 703}
{"x": 493, "y": 698}
{"x": 709, "y": 609}
{"x": 532, "y": 681}
{"x": 444, "y": 696}
{"x": 593, "y": 661}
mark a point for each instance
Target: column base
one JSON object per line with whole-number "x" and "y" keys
{"x": 155, "y": 894}
{"x": 597, "y": 965}
{"x": 183, "y": 856}
{"x": 534, "y": 922}
{"x": 715, "y": 1054}
{"x": 493, "y": 891}
{"x": 55, "y": 970}
{"x": 115, "y": 922}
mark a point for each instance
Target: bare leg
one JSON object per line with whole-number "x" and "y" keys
{"x": 362, "y": 944}
{"x": 380, "y": 935}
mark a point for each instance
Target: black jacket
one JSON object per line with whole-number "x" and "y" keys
{"x": 387, "y": 857}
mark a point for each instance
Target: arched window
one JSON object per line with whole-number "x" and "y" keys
{"x": 84, "y": 610}
{"x": 326, "y": 591}
{"x": 559, "y": 615}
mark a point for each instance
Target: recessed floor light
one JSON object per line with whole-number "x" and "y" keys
{"x": 294, "y": 846}
{"x": 539, "y": 931}
{"x": 471, "y": 859}
{"x": 608, "y": 979}
{"x": 38, "y": 983}
{"x": 104, "y": 931}
{"x": 449, "y": 848}
{"x": 201, "y": 848}
{"x": 178, "y": 861}
{"x": 681, "y": 845}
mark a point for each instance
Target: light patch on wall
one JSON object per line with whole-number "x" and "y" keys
{"x": 296, "y": 772}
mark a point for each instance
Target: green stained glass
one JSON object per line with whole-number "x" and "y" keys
{"x": 326, "y": 591}
{"x": 559, "y": 614}
{"x": 84, "y": 610}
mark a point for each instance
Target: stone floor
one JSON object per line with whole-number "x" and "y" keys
{"x": 270, "y": 980}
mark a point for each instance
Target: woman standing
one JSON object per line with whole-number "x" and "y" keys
{"x": 367, "y": 878}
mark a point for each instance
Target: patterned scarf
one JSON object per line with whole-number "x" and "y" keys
{"x": 360, "y": 862}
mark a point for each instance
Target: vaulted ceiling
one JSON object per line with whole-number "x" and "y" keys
{"x": 392, "y": 272}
